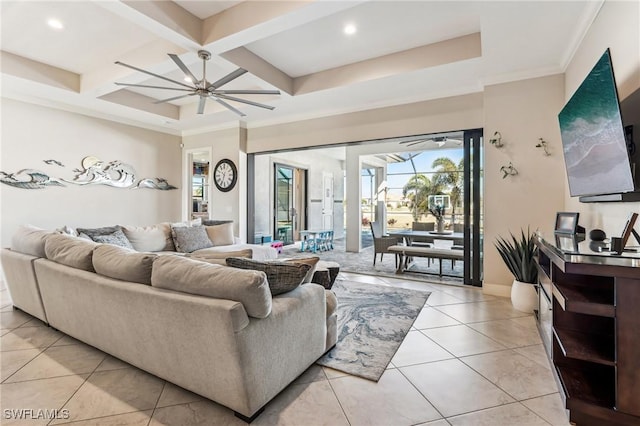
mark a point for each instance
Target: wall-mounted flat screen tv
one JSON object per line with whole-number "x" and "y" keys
{"x": 593, "y": 139}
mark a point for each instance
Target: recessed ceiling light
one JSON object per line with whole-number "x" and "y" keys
{"x": 350, "y": 29}
{"x": 55, "y": 24}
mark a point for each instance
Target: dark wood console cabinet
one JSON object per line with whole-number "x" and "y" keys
{"x": 589, "y": 320}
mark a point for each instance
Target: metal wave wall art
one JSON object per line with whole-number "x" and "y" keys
{"x": 94, "y": 171}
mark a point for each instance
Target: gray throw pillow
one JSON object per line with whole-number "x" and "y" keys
{"x": 211, "y": 222}
{"x": 282, "y": 276}
{"x": 93, "y": 232}
{"x": 116, "y": 238}
{"x": 190, "y": 238}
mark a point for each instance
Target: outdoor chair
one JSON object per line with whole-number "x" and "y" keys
{"x": 422, "y": 226}
{"x": 381, "y": 243}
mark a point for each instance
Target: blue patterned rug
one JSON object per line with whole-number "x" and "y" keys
{"x": 373, "y": 320}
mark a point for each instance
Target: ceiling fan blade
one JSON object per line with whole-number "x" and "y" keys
{"x": 183, "y": 67}
{"x": 174, "y": 98}
{"x": 153, "y": 74}
{"x": 203, "y": 100}
{"x": 226, "y": 105}
{"x": 244, "y": 101}
{"x": 246, "y": 92}
{"x": 227, "y": 78}
{"x": 155, "y": 87}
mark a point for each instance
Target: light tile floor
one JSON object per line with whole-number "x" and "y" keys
{"x": 470, "y": 359}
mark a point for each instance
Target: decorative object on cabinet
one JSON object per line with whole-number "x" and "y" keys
{"x": 618, "y": 244}
{"x": 92, "y": 172}
{"x": 225, "y": 175}
{"x": 496, "y": 140}
{"x": 567, "y": 223}
{"x": 597, "y": 235}
{"x": 519, "y": 257}
{"x": 508, "y": 170}
{"x": 543, "y": 144}
{"x": 203, "y": 88}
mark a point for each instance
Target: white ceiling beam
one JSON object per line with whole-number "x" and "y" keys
{"x": 244, "y": 58}
{"x": 36, "y": 71}
{"x": 431, "y": 55}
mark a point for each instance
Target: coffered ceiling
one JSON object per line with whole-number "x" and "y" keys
{"x": 401, "y": 51}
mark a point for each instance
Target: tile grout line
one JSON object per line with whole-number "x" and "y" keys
{"x": 337, "y": 398}
{"x": 164, "y": 385}
{"x": 420, "y": 392}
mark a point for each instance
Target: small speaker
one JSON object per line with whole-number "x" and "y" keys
{"x": 597, "y": 235}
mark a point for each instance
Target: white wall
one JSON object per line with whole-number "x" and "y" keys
{"x": 616, "y": 27}
{"x": 31, "y": 134}
{"x": 522, "y": 112}
{"x": 228, "y": 143}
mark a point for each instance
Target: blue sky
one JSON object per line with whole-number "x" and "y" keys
{"x": 423, "y": 164}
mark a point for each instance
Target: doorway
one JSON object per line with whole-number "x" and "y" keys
{"x": 290, "y": 212}
{"x": 198, "y": 183}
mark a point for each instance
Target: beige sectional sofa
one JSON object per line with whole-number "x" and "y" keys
{"x": 212, "y": 329}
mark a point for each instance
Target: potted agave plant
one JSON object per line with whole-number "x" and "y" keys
{"x": 518, "y": 254}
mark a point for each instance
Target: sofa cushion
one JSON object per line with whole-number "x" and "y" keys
{"x": 191, "y": 276}
{"x": 220, "y": 257}
{"x": 70, "y": 251}
{"x": 123, "y": 264}
{"x": 221, "y": 235}
{"x": 29, "y": 239}
{"x": 190, "y": 238}
{"x": 150, "y": 238}
{"x": 282, "y": 276}
{"x": 311, "y": 261}
{"x": 116, "y": 238}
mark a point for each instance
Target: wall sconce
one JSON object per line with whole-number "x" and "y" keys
{"x": 496, "y": 140}
{"x": 543, "y": 144}
{"x": 508, "y": 170}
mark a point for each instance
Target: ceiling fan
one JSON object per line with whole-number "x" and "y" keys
{"x": 203, "y": 88}
{"x": 438, "y": 140}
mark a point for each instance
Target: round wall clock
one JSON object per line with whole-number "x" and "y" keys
{"x": 225, "y": 175}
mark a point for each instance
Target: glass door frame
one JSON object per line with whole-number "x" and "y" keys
{"x": 472, "y": 189}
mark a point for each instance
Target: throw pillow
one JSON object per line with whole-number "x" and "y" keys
{"x": 92, "y": 232}
{"x": 191, "y": 276}
{"x": 311, "y": 261}
{"x": 190, "y": 238}
{"x": 123, "y": 264}
{"x": 150, "y": 238}
{"x": 220, "y": 257}
{"x": 194, "y": 222}
{"x": 282, "y": 276}
{"x": 116, "y": 238}
{"x": 221, "y": 235}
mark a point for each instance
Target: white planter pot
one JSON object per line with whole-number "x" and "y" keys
{"x": 523, "y": 296}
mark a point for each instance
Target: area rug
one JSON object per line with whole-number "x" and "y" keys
{"x": 373, "y": 320}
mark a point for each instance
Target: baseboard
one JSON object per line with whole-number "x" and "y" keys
{"x": 496, "y": 289}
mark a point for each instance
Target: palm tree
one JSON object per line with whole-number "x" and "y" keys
{"x": 449, "y": 175}
{"x": 417, "y": 189}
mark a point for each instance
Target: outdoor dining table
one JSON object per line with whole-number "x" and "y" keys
{"x": 429, "y": 236}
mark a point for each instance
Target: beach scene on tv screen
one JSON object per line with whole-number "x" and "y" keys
{"x": 593, "y": 140}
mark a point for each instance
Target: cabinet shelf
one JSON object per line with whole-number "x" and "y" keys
{"x": 591, "y": 347}
{"x": 585, "y": 300}
{"x": 594, "y": 385}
